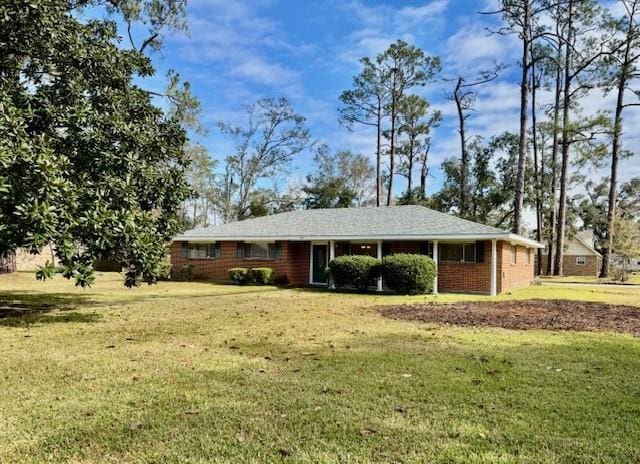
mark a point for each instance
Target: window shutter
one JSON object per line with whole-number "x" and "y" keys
{"x": 276, "y": 250}
{"x": 184, "y": 252}
{"x": 424, "y": 248}
{"x": 479, "y": 252}
{"x": 385, "y": 248}
{"x": 217, "y": 251}
{"x": 240, "y": 250}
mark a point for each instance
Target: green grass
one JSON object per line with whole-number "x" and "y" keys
{"x": 632, "y": 279}
{"x": 198, "y": 372}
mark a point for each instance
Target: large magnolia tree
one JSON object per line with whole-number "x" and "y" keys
{"x": 86, "y": 160}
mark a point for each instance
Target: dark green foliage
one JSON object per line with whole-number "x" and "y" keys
{"x": 354, "y": 271}
{"x": 240, "y": 275}
{"x": 263, "y": 275}
{"x": 408, "y": 273}
{"x": 258, "y": 275}
{"x": 186, "y": 272}
{"x": 163, "y": 270}
{"x": 86, "y": 160}
{"x": 341, "y": 180}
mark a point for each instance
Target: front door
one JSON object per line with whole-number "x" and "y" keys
{"x": 319, "y": 264}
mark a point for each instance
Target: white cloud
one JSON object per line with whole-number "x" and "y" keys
{"x": 424, "y": 12}
{"x": 258, "y": 70}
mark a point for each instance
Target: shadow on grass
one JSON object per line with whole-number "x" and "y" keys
{"x": 19, "y": 308}
{"x": 39, "y": 318}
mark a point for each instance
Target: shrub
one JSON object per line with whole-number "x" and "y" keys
{"x": 163, "y": 270}
{"x": 408, "y": 274}
{"x": 354, "y": 271}
{"x": 240, "y": 275}
{"x": 263, "y": 275}
{"x": 186, "y": 271}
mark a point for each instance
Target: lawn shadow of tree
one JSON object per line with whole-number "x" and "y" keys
{"x": 25, "y": 307}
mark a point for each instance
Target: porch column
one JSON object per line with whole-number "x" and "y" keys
{"x": 435, "y": 260}
{"x": 494, "y": 268}
{"x": 379, "y": 257}
{"x": 332, "y": 255}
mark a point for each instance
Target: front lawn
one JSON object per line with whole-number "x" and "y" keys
{"x": 198, "y": 372}
{"x": 632, "y": 279}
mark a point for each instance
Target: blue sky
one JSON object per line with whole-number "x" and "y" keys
{"x": 239, "y": 51}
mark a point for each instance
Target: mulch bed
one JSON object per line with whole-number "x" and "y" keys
{"x": 524, "y": 315}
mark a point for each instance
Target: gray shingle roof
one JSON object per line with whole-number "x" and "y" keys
{"x": 391, "y": 221}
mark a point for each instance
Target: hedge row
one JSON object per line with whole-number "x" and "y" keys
{"x": 402, "y": 272}
{"x": 258, "y": 275}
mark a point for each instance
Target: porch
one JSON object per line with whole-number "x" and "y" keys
{"x": 461, "y": 265}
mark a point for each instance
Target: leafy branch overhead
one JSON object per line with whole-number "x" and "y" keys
{"x": 87, "y": 161}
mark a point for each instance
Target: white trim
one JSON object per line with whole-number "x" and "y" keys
{"x": 435, "y": 260}
{"x": 494, "y": 269}
{"x": 332, "y": 256}
{"x": 379, "y": 254}
{"x": 507, "y": 236}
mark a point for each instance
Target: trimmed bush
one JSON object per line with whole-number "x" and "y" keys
{"x": 240, "y": 275}
{"x": 186, "y": 272}
{"x": 408, "y": 273}
{"x": 354, "y": 271}
{"x": 263, "y": 275}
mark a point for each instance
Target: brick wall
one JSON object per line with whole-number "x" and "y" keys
{"x": 292, "y": 265}
{"x": 466, "y": 277}
{"x": 509, "y": 275}
{"x": 570, "y": 268}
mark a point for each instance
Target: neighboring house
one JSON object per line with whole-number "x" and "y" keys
{"x": 26, "y": 261}
{"x": 580, "y": 257}
{"x": 630, "y": 264}
{"x": 470, "y": 257}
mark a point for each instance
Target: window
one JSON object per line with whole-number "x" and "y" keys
{"x": 581, "y": 260}
{"x": 366, "y": 249}
{"x": 470, "y": 253}
{"x": 457, "y": 252}
{"x": 529, "y": 253}
{"x": 203, "y": 250}
{"x": 260, "y": 250}
{"x": 514, "y": 254}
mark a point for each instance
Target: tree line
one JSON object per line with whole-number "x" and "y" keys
{"x": 92, "y": 162}
{"x": 569, "y": 49}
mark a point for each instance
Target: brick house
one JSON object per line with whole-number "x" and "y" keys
{"x": 580, "y": 257}
{"x": 470, "y": 257}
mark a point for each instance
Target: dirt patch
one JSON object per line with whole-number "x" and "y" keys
{"x": 524, "y": 315}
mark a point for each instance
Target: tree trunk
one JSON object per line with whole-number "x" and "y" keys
{"x": 615, "y": 148}
{"x": 518, "y": 202}
{"x": 7, "y": 262}
{"x": 410, "y": 173}
{"x": 378, "y": 154}
{"x": 536, "y": 174}
{"x": 424, "y": 172}
{"x": 392, "y": 150}
{"x": 464, "y": 157}
{"x": 564, "y": 173}
{"x": 554, "y": 163}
